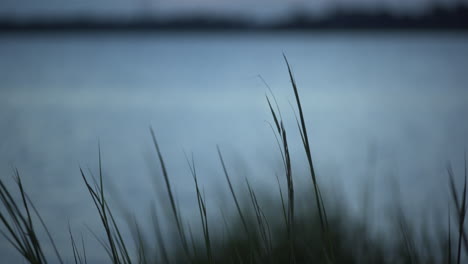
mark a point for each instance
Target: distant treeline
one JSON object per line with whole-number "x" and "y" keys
{"x": 437, "y": 18}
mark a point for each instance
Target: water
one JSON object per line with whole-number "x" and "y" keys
{"x": 377, "y": 105}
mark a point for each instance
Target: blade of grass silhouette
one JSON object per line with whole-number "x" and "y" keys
{"x": 290, "y": 186}
{"x": 119, "y": 239}
{"x": 102, "y": 204}
{"x": 140, "y": 241}
{"x": 244, "y": 223}
{"x": 449, "y": 239}
{"x": 171, "y": 196}
{"x": 282, "y": 200}
{"x": 194, "y": 244}
{"x": 76, "y": 256}
{"x": 274, "y": 116}
{"x": 85, "y": 258}
{"x": 23, "y": 234}
{"x": 306, "y": 144}
{"x": 457, "y": 202}
{"x": 117, "y": 243}
{"x": 273, "y": 95}
{"x": 462, "y": 216}
{"x": 284, "y": 150}
{"x": 100, "y": 241}
{"x": 17, "y": 231}
{"x": 262, "y": 222}
{"x": 17, "y": 239}
{"x": 13, "y": 243}
{"x": 158, "y": 234}
{"x": 225, "y": 223}
{"x": 278, "y": 144}
{"x": 201, "y": 208}
{"x": 117, "y": 248}
{"x": 52, "y": 242}
{"x": 297, "y": 122}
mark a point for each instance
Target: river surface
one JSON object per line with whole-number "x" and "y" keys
{"x": 380, "y": 108}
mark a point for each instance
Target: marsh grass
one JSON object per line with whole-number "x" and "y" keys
{"x": 258, "y": 232}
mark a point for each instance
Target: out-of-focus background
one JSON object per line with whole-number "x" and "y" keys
{"x": 383, "y": 86}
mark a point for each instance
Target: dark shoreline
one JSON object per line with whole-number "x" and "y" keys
{"x": 437, "y": 19}
{"x": 137, "y": 29}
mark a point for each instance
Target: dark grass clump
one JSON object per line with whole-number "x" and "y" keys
{"x": 258, "y": 232}
{"x": 20, "y": 230}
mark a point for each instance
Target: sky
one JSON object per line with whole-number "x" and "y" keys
{"x": 260, "y": 9}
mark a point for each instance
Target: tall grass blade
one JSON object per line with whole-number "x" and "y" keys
{"x": 171, "y": 196}
{"x": 239, "y": 211}
{"x": 318, "y": 196}
{"x": 202, "y": 209}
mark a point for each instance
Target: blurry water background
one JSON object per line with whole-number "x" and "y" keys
{"x": 378, "y": 107}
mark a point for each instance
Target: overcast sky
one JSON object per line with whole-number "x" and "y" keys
{"x": 249, "y": 8}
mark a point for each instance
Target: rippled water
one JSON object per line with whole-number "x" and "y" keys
{"x": 378, "y": 106}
